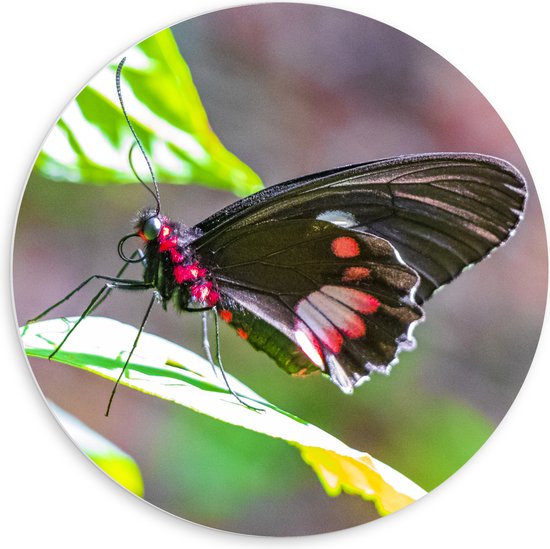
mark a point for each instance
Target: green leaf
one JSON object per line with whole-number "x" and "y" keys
{"x": 166, "y": 370}
{"x": 91, "y": 141}
{"x": 106, "y": 455}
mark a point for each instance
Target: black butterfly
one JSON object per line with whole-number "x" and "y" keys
{"x": 329, "y": 271}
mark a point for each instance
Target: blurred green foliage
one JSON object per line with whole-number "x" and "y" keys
{"x": 91, "y": 141}
{"x": 110, "y": 458}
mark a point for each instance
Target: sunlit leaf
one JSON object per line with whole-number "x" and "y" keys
{"x": 91, "y": 141}
{"x": 106, "y": 455}
{"x": 166, "y": 370}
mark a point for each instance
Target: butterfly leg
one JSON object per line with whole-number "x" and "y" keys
{"x": 118, "y": 275}
{"x": 156, "y": 297}
{"x": 80, "y": 286}
{"x": 113, "y": 283}
{"x": 206, "y": 341}
{"x": 219, "y": 360}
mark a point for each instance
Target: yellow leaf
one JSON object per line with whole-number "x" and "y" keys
{"x": 362, "y": 475}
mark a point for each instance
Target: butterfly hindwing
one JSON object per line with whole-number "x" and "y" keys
{"x": 311, "y": 293}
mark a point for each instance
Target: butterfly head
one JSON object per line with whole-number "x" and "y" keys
{"x": 149, "y": 224}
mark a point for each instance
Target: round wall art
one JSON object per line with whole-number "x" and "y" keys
{"x": 281, "y": 253}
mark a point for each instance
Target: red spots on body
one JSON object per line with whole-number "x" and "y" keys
{"x": 185, "y": 273}
{"x": 226, "y": 316}
{"x": 168, "y": 244}
{"x": 345, "y": 247}
{"x": 167, "y": 240}
{"x": 242, "y": 333}
{"x": 176, "y": 256}
{"x": 205, "y": 293}
{"x": 353, "y": 274}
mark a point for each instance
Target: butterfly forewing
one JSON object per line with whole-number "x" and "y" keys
{"x": 342, "y": 300}
{"x": 442, "y": 212}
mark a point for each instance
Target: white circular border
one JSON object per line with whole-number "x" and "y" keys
{"x": 51, "y": 494}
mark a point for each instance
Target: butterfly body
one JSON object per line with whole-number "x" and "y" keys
{"x": 172, "y": 266}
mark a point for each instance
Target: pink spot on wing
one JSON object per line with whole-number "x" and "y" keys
{"x": 339, "y": 315}
{"x": 323, "y": 329}
{"x": 333, "y": 339}
{"x": 345, "y": 247}
{"x": 354, "y": 326}
{"x": 356, "y": 299}
{"x": 353, "y": 274}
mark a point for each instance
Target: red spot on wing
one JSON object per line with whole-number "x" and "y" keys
{"x": 242, "y": 333}
{"x": 353, "y": 274}
{"x": 345, "y": 247}
{"x": 226, "y": 316}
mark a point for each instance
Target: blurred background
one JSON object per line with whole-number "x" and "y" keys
{"x": 293, "y": 89}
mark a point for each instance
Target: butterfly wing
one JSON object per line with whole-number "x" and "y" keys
{"x": 328, "y": 271}
{"x": 315, "y": 296}
{"x": 442, "y": 212}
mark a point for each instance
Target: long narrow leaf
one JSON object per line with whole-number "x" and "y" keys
{"x": 166, "y": 370}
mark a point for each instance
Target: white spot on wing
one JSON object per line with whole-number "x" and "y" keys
{"x": 303, "y": 336}
{"x": 338, "y": 218}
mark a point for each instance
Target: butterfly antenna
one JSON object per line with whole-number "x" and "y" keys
{"x": 155, "y": 193}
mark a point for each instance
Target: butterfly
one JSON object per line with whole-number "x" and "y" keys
{"x": 328, "y": 272}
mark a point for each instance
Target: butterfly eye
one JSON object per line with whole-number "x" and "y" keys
{"x": 151, "y": 228}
